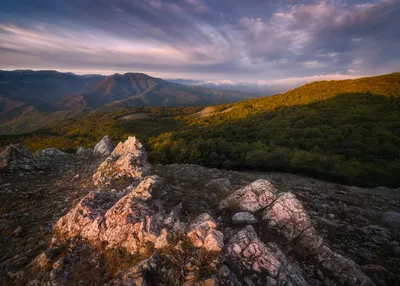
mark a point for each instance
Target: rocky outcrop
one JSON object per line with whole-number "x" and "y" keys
{"x": 262, "y": 264}
{"x": 128, "y": 162}
{"x": 287, "y": 217}
{"x": 104, "y": 147}
{"x": 17, "y": 158}
{"x": 126, "y": 221}
{"x": 164, "y": 249}
{"x": 50, "y": 152}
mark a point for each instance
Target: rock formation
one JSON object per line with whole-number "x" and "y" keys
{"x": 128, "y": 162}
{"x": 284, "y": 215}
{"x": 104, "y": 147}
{"x": 164, "y": 248}
{"x": 267, "y": 264}
{"x": 16, "y": 158}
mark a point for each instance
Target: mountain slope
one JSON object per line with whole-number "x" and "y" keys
{"x": 25, "y": 95}
{"x": 42, "y": 89}
{"x": 23, "y": 91}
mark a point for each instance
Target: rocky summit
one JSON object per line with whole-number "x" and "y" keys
{"x": 80, "y": 219}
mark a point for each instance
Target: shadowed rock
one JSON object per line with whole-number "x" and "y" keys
{"x": 16, "y": 157}
{"x": 104, "y": 147}
{"x": 50, "y": 152}
{"x": 84, "y": 151}
{"x": 243, "y": 218}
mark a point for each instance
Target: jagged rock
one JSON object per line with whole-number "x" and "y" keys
{"x": 84, "y": 151}
{"x": 251, "y": 198}
{"x": 245, "y": 251}
{"x": 87, "y": 218}
{"x": 202, "y": 233}
{"x": 104, "y": 147}
{"x": 16, "y": 157}
{"x": 127, "y": 161}
{"x": 50, "y": 152}
{"x": 287, "y": 217}
{"x": 135, "y": 221}
{"x": 243, "y": 218}
{"x": 130, "y": 222}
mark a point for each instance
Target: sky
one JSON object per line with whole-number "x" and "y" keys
{"x": 263, "y": 42}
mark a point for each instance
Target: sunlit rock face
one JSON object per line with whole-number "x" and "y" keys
{"x": 128, "y": 162}
{"x": 251, "y": 198}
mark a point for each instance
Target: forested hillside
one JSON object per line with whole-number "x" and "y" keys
{"x": 347, "y": 131}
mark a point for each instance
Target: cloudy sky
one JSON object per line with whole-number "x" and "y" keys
{"x": 264, "y": 41}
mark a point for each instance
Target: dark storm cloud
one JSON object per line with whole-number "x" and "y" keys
{"x": 225, "y": 39}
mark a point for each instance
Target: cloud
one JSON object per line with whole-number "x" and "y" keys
{"x": 314, "y": 64}
{"x": 197, "y": 5}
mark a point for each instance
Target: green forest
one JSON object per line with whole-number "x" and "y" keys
{"x": 345, "y": 131}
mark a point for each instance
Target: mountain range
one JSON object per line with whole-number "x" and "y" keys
{"x": 26, "y": 93}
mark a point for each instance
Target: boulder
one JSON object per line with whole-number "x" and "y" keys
{"x": 243, "y": 218}
{"x": 16, "y": 158}
{"x": 50, "y": 152}
{"x": 246, "y": 252}
{"x": 287, "y": 216}
{"x": 127, "y": 162}
{"x": 252, "y": 198}
{"x": 104, "y": 147}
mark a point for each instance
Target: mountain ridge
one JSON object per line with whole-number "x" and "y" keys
{"x": 50, "y": 91}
